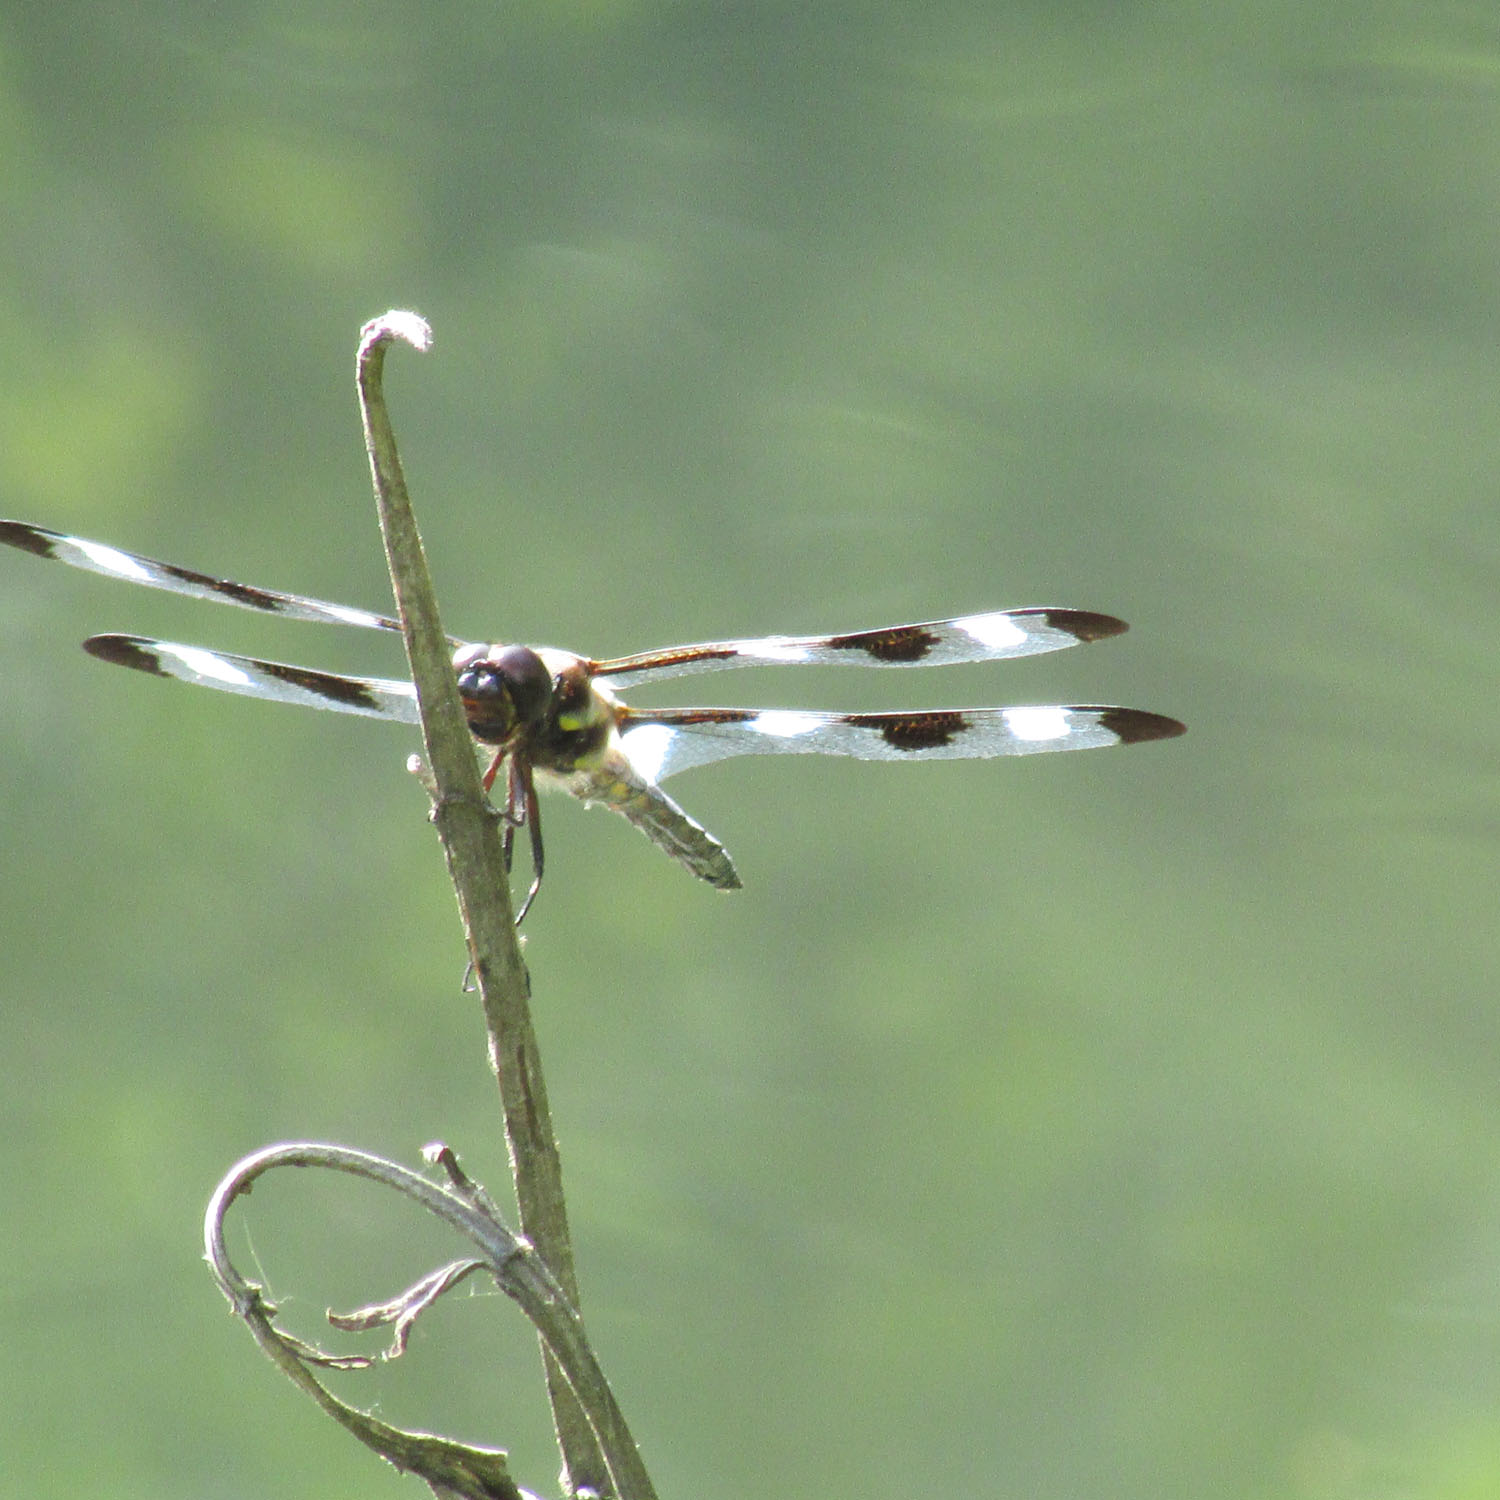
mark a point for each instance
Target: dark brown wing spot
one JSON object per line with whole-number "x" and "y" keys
{"x": 27, "y": 538}
{"x": 899, "y": 643}
{"x": 124, "y": 651}
{"x": 325, "y": 684}
{"x": 241, "y": 593}
{"x": 914, "y": 731}
{"x": 1082, "y": 624}
{"x": 1134, "y": 725}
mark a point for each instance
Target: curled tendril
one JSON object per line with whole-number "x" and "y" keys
{"x": 449, "y": 1467}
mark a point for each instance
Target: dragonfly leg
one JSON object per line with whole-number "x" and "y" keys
{"x": 532, "y": 816}
{"x": 514, "y": 812}
{"x": 488, "y": 779}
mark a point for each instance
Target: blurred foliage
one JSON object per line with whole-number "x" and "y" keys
{"x": 1112, "y": 1125}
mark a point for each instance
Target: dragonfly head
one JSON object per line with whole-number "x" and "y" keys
{"x": 504, "y": 689}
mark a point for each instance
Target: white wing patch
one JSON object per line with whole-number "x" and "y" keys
{"x": 210, "y": 666}
{"x": 996, "y": 632}
{"x": 1038, "y": 723}
{"x": 648, "y": 748}
{"x": 786, "y": 723}
{"x": 347, "y": 614}
{"x": 110, "y": 560}
{"x": 777, "y": 648}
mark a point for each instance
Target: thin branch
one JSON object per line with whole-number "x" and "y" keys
{"x": 471, "y": 842}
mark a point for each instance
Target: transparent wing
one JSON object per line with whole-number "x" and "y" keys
{"x": 373, "y": 697}
{"x": 662, "y": 742}
{"x": 934, "y": 643}
{"x": 95, "y": 557}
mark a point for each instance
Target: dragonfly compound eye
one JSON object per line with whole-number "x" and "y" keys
{"x": 502, "y": 690}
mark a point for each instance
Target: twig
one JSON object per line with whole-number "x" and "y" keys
{"x": 472, "y": 845}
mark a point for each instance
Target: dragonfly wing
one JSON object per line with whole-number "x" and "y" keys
{"x": 662, "y": 742}
{"x": 373, "y": 697}
{"x": 934, "y": 643}
{"x": 96, "y": 557}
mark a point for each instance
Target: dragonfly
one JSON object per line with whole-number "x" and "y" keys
{"x": 547, "y": 717}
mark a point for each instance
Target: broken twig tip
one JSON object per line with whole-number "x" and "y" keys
{"x": 412, "y": 328}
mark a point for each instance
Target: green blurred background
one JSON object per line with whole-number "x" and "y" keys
{"x": 1114, "y": 1125}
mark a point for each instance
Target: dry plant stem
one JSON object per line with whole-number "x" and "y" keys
{"x": 518, "y": 1270}
{"x": 449, "y": 1468}
{"x": 471, "y": 842}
